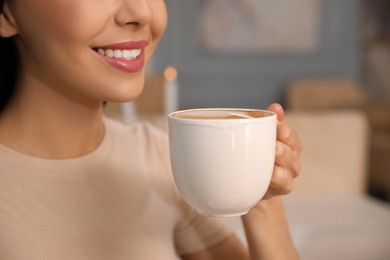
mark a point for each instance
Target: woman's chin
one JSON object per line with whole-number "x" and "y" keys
{"x": 128, "y": 92}
{"x": 125, "y": 96}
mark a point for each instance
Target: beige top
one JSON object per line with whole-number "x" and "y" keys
{"x": 116, "y": 203}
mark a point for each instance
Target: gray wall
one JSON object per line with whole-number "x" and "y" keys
{"x": 208, "y": 80}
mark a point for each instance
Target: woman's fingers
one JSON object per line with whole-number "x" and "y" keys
{"x": 287, "y": 161}
{"x": 286, "y": 134}
{"x": 281, "y": 183}
{"x": 286, "y": 158}
{"x": 277, "y": 109}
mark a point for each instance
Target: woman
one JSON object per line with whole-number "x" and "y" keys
{"x": 75, "y": 185}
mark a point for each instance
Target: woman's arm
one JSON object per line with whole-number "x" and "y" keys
{"x": 230, "y": 249}
{"x": 267, "y": 232}
{"x": 267, "y": 235}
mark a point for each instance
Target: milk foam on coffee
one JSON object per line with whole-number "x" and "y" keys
{"x": 213, "y": 114}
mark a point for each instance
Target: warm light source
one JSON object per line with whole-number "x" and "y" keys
{"x": 171, "y": 89}
{"x": 170, "y": 73}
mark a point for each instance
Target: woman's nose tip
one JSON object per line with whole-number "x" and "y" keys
{"x": 134, "y": 12}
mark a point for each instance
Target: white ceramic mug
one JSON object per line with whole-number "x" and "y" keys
{"x": 222, "y": 159}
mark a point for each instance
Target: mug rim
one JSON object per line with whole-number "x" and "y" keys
{"x": 270, "y": 115}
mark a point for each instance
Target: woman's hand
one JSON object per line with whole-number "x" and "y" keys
{"x": 287, "y": 159}
{"x": 265, "y": 225}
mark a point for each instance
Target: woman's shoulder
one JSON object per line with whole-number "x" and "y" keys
{"x": 144, "y": 135}
{"x": 141, "y": 128}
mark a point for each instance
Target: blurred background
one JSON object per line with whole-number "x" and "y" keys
{"x": 328, "y": 63}
{"x": 254, "y": 77}
{"x": 344, "y": 56}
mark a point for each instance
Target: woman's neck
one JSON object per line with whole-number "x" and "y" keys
{"x": 51, "y": 126}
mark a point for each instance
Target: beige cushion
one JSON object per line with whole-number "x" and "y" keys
{"x": 335, "y": 153}
{"x": 151, "y": 100}
{"x": 317, "y": 94}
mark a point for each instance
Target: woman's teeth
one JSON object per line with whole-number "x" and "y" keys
{"x": 121, "y": 54}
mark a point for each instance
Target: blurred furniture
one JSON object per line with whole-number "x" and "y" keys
{"x": 335, "y": 155}
{"x": 379, "y": 171}
{"x": 339, "y": 227}
{"x": 329, "y": 213}
{"x": 377, "y": 63}
{"x": 336, "y": 94}
{"x": 344, "y": 135}
{"x": 151, "y": 100}
{"x": 316, "y": 94}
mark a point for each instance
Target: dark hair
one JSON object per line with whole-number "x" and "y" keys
{"x": 9, "y": 65}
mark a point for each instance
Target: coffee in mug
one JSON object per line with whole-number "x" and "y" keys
{"x": 221, "y": 114}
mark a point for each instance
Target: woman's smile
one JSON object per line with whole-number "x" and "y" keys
{"x": 120, "y": 54}
{"x": 128, "y": 56}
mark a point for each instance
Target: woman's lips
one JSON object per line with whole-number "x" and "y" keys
{"x": 127, "y": 56}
